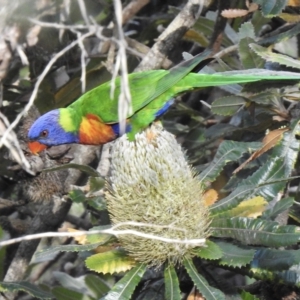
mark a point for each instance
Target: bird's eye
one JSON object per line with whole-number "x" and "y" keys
{"x": 44, "y": 133}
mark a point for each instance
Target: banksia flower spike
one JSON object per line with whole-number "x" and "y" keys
{"x": 152, "y": 184}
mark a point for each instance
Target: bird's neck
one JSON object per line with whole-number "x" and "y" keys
{"x": 69, "y": 120}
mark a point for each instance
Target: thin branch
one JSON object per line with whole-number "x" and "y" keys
{"x": 132, "y": 8}
{"x": 83, "y": 63}
{"x": 226, "y": 51}
{"x": 124, "y": 103}
{"x": 112, "y": 231}
{"x": 83, "y": 11}
{"x": 62, "y": 26}
{"x": 12, "y": 144}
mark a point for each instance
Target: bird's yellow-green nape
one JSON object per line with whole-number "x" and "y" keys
{"x": 67, "y": 120}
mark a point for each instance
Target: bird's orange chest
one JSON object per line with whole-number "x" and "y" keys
{"x": 93, "y": 131}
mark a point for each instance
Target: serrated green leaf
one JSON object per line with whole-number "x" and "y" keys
{"x": 209, "y": 292}
{"x": 26, "y": 287}
{"x": 62, "y": 293}
{"x": 288, "y": 148}
{"x": 265, "y": 98}
{"x": 246, "y": 31}
{"x": 228, "y": 105}
{"x": 97, "y": 285}
{"x": 248, "y": 57}
{"x": 275, "y": 260}
{"x": 210, "y": 251}
{"x": 255, "y": 231}
{"x": 84, "y": 168}
{"x": 268, "y": 55}
{"x": 227, "y": 151}
{"x": 247, "y": 296}
{"x": 124, "y": 288}
{"x": 50, "y": 253}
{"x": 271, "y": 7}
{"x": 291, "y": 276}
{"x": 219, "y": 130}
{"x": 290, "y": 32}
{"x": 281, "y": 206}
{"x": 172, "y": 290}
{"x": 234, "y": 256}
{"x": 114, "y": 261}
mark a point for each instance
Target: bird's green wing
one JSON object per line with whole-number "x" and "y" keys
{"x": 144, "y": 87}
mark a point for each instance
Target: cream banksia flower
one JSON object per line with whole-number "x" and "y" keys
{"x": 152, "y": 183}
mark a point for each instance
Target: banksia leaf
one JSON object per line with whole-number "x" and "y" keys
{"x": 209, "y": 292}
{"x": 212, "y": 251}
{"x": 235, "y": 256}
{"x": 27, "y": 287}
{"x": 172, "y": 290}
{"x": 124, "y": 288}
{"x": 110, "y": 262}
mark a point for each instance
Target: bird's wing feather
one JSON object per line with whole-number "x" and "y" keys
{"x": 144, "y": 87}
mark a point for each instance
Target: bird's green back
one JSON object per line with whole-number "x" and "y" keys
{"x": 144, "y": 87}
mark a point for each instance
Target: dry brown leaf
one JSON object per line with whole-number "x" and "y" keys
{"x": 290, "y": 18}
{"x": 279, "y": 118}
{"x": 210, "y": 197}
{"x": 252, "y": 7}
{"x": 269, "y": 141}
{"x": 293, "y": 3}
{"x": 195, "y": 295}
{"x": 234, "y": 13}
{"x": 194, "y": 36}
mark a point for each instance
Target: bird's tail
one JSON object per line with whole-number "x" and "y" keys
{"x": 199, "y": 80}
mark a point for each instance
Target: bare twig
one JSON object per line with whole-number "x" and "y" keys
{"x": 217, "y": 36}
{"x": 132, "y": 8}
{"x": 111, "y": 231}
{"x": 124, "y": 103}
{"x": 12, "y": 143}
{"x": 83, "y": 11}
{"x": 83, "y": 63}
{"x": 62, "y": 26}
{"x": 226, "y": 51}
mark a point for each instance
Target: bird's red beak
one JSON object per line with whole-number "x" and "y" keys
{"x": 36, "y": 147}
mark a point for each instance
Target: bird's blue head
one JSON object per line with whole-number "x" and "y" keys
{"x": 48, "y": 130}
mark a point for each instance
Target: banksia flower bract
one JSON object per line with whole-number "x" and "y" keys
{"x": 152, "y": 183}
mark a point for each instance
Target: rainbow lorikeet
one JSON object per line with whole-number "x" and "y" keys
{"x": 93, "y": 118}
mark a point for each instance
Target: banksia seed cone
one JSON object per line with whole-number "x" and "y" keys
{"x": 152, "y": 183}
